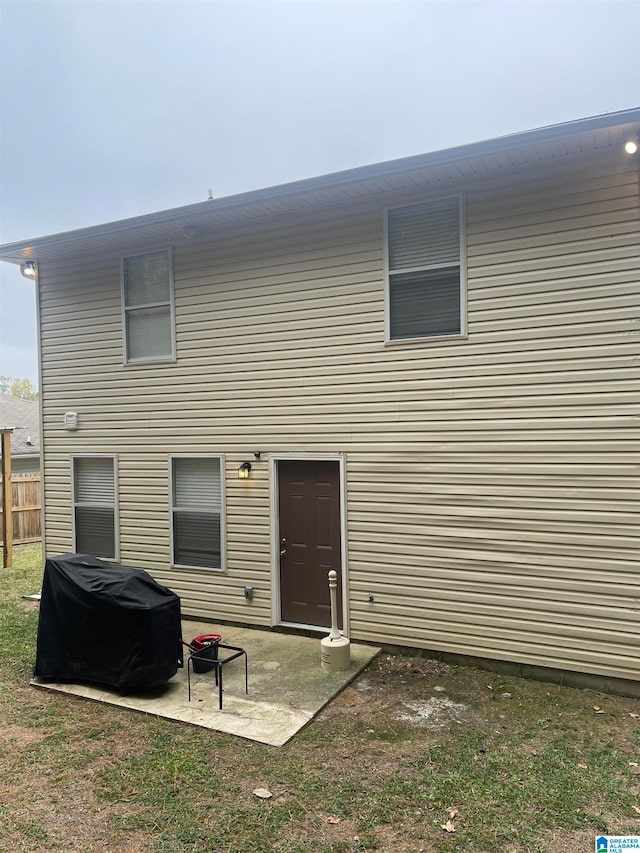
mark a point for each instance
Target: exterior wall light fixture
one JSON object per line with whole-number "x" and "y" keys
{"x": 29, "y": 269}
{"x": 244, "y": 470}
{"x": 631, "y": 145}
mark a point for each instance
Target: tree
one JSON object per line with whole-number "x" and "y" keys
{"x": 21, "y": 388}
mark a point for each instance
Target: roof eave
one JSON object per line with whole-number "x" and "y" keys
{"x": 22, "y": 250}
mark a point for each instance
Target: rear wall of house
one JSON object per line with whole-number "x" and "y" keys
{"x": 491, "y": 482}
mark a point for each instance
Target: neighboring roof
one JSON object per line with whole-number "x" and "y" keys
{"x": 191, "y": 220}
{"x": 22, "y": 416}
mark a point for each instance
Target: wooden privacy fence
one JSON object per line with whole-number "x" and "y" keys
{"x": 25, "y": 492}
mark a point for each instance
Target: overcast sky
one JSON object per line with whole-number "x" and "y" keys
{"x": 111, "y": 108}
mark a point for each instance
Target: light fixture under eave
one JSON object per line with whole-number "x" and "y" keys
{"x": 29, "y": 269}
{"x": 631, "y": 146}
{"x": 244, "y": 470}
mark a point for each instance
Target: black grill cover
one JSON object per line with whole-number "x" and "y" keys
{"x": 106, "y": 624}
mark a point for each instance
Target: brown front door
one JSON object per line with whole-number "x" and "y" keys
{"x": 309, "y": 528}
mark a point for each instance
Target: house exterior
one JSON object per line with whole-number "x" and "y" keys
{"x": 22, "y": 417}
{"x": 423, "y": 374}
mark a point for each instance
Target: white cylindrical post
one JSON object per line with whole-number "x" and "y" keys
{"x": 335, "y": 650}
{"x": 333, "y": 594}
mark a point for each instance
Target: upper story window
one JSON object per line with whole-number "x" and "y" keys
{"x": 425, "y": 257}
{"x": 147, "y": 288}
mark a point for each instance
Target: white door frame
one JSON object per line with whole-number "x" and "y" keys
{"x": 274, "y": 458}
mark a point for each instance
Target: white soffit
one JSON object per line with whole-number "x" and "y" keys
{"x": 423, "y": 170}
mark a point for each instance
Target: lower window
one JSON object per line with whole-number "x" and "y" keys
{"x": 94, "y": 505}
{"x": 196, "y": 510}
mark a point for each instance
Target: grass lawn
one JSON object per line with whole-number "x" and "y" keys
{"x": 416, "y": 755}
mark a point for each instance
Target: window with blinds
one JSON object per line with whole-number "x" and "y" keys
{"x": 147, "y": 285}
{"x": 196, "y": 509}
{"x": 94, "y": 505}
{"x": 425, "y": 270}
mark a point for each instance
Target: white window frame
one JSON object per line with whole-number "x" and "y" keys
{"x": 170, "y": 303}
{"x": 223, "y": 513}
{"x": 114, "y": 506}
{"x": 463, "y": 274}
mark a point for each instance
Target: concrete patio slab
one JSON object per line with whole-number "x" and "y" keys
{"x": 287, "y": 686}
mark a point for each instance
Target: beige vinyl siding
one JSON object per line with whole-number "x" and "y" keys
{"x": 492, "y": 482}
{"x": 25, "y": 465}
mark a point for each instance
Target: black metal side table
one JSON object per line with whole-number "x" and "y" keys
{"x": 217, "y": 665}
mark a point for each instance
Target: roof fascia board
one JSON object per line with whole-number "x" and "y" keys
{"x": 15, "y": 252}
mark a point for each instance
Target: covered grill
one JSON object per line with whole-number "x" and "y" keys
{"x": 106, "y": 624}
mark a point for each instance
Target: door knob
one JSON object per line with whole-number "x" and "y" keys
{"x": 283, "y": 547}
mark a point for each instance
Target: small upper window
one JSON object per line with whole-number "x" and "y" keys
{"x": 425, "y": 270}
{"x": 147, "y": 282}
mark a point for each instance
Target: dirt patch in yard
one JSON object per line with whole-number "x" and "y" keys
{"x": 15, "y": 738}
